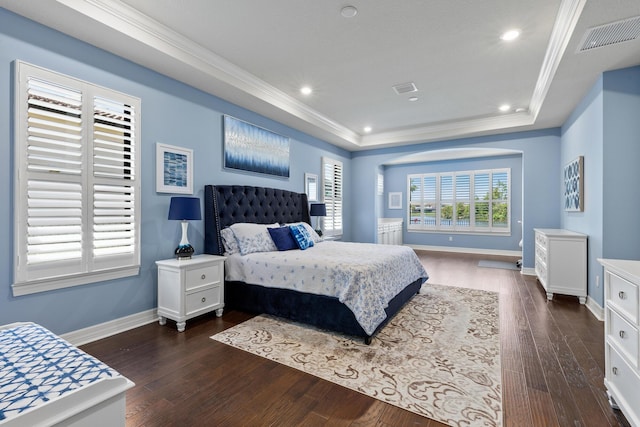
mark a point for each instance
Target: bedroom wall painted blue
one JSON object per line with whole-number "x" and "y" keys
{"x": 539, "y": 151}
{"x": 172, "y": 113}
{"x": 582, "y": 135}
{"x": 396, "y": 180}
{"x": 621, "y": 156}
{"x": 605, "y": 129}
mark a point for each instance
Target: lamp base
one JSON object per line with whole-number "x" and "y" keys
{"x": 184, "y": 251}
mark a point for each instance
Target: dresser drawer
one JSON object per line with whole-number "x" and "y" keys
{"x": 198, "y": 277}
{"x": 541, "y": 255}
{"x": 541, "y": 272}
{"x": 623, "y": 383}
{"x": 202, "y": 300}
{"x": 623, "y": 295}
{"x": 541, "y": 239}
{"x": 624, "y": 335}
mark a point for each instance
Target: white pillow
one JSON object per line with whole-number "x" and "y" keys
{"x": 253, "y": 237}
{"x": 312, "y": 232}
{"x": 229, "y": 241}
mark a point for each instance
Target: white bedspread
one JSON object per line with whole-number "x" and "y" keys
{"x": 363, "y": 276}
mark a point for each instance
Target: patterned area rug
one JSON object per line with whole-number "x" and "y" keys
{"x": 439, "y": 357}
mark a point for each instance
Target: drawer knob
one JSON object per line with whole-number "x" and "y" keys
{"x": 614, "y": 370}
{"x": 203, "y": 276}
{"x": 622, "y": 295}
{"x": 622, "y": 334}
{"x": 203, "y": 299}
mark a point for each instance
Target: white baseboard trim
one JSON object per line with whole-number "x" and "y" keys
{"x": 595, "y": 308}
{"x": 528, "y": 271}
{"x": 112, "y": 327}
{"x": 466, "y": 250}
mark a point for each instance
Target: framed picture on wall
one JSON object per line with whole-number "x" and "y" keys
{"x": 574, "y": 185}
{"x": 311, "y": 186}
{"x": 395, "y": 200}
{"x": 253, "y": 149}
{"x": 174, "y": 169}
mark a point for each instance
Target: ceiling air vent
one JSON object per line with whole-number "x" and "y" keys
{"x": 615, "y": 32}
{"x": 405, "y": 88}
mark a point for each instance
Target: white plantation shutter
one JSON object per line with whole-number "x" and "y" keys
{"x": 332, "y": 176}
{"x": 76, "y": 194}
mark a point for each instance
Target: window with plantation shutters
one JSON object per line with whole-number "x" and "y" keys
{"x": 464, "y": 202}
{"x": 332, "y": 196}
{"x": 77, "y": 192}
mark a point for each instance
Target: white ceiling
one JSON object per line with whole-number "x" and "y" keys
{"x": 257, "y": 54}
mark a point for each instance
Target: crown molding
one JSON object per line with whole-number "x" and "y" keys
{"x": 566, "y": 21}
{"x": 188, "y": 56}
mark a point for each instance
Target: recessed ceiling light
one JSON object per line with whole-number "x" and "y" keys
{"x": 367, "y": 129}
{"x": 306, "y": 90}
{"x": 413, "y": 99}
{"x": 505, "y": 107}
{"x": 510, "y": 35}
{"x": 349, "y": 11}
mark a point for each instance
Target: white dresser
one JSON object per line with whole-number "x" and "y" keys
{"x": 190, "y": 287}
{"x": 561, "y": 262}
{"x": 622, "y": 373}
{"x": 390, "y": 231}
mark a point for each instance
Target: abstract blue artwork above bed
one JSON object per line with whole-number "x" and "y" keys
{"x": 254, "y": 149}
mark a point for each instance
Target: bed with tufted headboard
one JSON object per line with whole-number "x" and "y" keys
{"x": 226, "y": 205}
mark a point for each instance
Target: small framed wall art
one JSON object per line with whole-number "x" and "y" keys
{"x": 395, "y": 200}
{"x": 311, "y": 186}
{"x": 174, "y": 169}
{"x": 574, "y": 185}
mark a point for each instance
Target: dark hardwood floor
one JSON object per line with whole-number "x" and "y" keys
{"x": 552, "y": 367}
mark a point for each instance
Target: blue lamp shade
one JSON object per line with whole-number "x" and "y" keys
{"x": 318, "y": 209}
{"x": 184, "y": 209}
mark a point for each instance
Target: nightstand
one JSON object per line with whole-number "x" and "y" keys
{"x": 190, "y": 287}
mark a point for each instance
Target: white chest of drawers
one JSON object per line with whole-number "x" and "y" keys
{"x": 189, "y": 288}
{"x": 390, "y": 231}
{"x": 622, "y": 356}
{"x": 561, "y": 262}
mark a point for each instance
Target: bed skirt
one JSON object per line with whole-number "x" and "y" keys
{"x": 318, "y": 310}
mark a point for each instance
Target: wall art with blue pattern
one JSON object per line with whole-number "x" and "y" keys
{"x": 254, "y": 149}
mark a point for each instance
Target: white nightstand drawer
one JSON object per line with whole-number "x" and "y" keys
{"x": 623, "y": 295}
{"x": 197, "y": 277}
{"x": 541, "y": 239}
{"x": 624, "y": 335}
{"x": 202, "y": 300}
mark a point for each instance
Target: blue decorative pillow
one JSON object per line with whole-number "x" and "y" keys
{"x": 283, "y": 238}
{"x": 302, "y": 236}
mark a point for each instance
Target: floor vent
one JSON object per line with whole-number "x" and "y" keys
{"x": 613, "y": 33}
{"x": 405, "y": 88}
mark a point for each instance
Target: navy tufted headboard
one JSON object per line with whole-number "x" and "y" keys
{"x": 228, "y": 204}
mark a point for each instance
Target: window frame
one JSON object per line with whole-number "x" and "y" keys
{"x": 333, "y": 197}
{"x": 444, "y": 192}
{"x": 105, "y": 188}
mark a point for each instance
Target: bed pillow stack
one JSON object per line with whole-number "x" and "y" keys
{"x": 246, "y": 238}
{"x": 253, "y": 237}
{"x": 283, "y": 238}
{"x": 301, "y": 236}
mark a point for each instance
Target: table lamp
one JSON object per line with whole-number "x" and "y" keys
{"x": 318, "y": 209}
{"x": 184, "y": 209}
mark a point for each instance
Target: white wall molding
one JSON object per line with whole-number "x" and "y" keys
{"x": 466, "y": 250}
{"x": 112, "y": 327}
{"x": 595, "y": 308}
